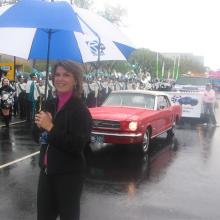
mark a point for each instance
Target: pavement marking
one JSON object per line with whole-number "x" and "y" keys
{"x": 13, "y": 123}
{"x": 18, "y": 160}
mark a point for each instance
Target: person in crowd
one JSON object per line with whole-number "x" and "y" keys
{"x": 85, "y": 89}
{"x": 6, "y": 100}
{"x": 51, "y": 89}
{"x": 31, "y": 94}
{"x": 41, "y": 94}
{"x": 209, "y": 100}
{"x": 15, "y": 100}
{"x": 66, "y": 125}
{"x": 93, "y": 94}
{"x": 21, "y": 94}
{"x": 2, "y": 76}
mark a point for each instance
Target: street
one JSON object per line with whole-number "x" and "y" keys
{"x": 178, "y": 180}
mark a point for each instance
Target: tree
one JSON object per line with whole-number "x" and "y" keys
{"x": 145, "y": 60}
{"x": 118, "y": 66}
{"x": 83, "y": 3}
{"x": 114, "y": 14}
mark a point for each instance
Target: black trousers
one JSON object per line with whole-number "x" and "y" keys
{"x": 59, "y": 195}
{"x": 209, "y": 113}
{"x": 30, "y": 110}
{"x": 22, "y": 104}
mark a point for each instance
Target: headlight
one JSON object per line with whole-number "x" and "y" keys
{"x": 133, "y": 126}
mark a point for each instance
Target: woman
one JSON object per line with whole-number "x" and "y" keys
{"x": 66, "y": 124}
{"x": 6, "y": 99}
{"x": 209, "y": 99}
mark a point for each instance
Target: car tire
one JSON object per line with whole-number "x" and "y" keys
{"x": 171, "y": 132}
{"x": 144, "y": 147}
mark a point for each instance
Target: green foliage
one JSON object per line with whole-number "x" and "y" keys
{"x": 122, "y": 66}
{"x": 83, "y": 3}
{"x": 114, "y": 14}
{"x": 144, "y": 60}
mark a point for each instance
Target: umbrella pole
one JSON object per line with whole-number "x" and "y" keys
{"x": 47, "y": 66}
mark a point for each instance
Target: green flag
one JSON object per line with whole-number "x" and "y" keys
{"x": 178, "y": 68}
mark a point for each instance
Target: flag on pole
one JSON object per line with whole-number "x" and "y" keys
{"x": 157, "y": 64}
{"x": 162, "y": 71}
{"x": 174, "y": 66}
{"x": 178, "y": 67}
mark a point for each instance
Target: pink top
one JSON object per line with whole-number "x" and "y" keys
{"x": 63, "y": 98}
{"x": 209, "y": 96}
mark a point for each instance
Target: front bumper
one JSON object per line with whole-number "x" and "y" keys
{"x": 119, "y": 138}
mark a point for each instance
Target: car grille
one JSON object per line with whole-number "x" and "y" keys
{"x": 106, "y": 124}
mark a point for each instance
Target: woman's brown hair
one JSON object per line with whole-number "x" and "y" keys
{"x": 73, "y": 68}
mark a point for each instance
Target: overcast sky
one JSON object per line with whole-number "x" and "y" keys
{"x": 191, "y": 26}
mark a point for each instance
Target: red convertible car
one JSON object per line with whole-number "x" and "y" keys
{"x": 133, "y": 117}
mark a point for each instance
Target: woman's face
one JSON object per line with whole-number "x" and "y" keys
{"x": 64, "y": 81}
{"x": 5, "y": 82}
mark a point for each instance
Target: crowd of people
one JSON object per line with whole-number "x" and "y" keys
{"x": 24, "y": 97}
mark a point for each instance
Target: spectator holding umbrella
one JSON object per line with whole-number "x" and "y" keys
{"x": 66, "y": 127}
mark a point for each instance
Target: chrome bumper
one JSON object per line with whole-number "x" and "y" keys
{"x": 132, "y": 135}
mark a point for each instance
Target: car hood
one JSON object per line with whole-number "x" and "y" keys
{"x": 118, "y": 113}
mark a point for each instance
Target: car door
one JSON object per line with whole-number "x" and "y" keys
{"x": 169, "y": 115}
{"x": 163, "y": 107}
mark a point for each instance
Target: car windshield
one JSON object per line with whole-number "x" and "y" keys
{"x": 197, "y": 81}
{"x": 130, "y": 100}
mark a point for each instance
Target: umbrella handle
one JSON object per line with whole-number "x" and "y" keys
{"x": 40, "y": 104}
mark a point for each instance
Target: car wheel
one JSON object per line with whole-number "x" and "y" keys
{"x": 171, "y": 132}
{"x": 146, "y": 142}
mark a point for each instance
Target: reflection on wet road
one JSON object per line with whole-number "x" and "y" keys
{"x": 179, "y": 179}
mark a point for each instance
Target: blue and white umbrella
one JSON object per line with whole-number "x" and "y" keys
{"x": 60, "y": 31}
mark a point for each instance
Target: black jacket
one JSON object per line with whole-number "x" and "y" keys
{"x": 67, "y": 138}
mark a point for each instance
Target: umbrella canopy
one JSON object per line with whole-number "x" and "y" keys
{"x": 75, "y": 38}
{"x": 58, "y": 31}
{"x": 41, "y": 14}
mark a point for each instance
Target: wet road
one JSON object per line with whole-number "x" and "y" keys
{"x": 178, "y": 180}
